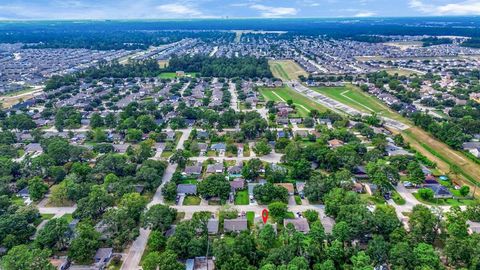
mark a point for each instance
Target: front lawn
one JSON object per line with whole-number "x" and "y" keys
{"x": 192, "y": 200}
{"x": 250, "y": 218}
{"x": 47, "y": 216}
{"x": 450, "y": 202}
{"x": 298, "y": 200}
{"x": 241, "y": 197}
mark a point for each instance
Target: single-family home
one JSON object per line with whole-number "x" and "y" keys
{"x": 300, "y": 224}
{"x": 215, "y": 168}
{"x": 235, "y": 225}
{"x": 186, "y": 189}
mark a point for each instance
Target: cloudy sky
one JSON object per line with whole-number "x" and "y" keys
{"x": 168, "y": 9}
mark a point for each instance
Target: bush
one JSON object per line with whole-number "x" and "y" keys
{"x": 311, "y": 215}
{"x": 464, "y": 190}
{"x": 426, "y": 194}
{"x": 278, "y": 210}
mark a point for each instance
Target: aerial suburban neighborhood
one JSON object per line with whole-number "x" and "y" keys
{"x": 178, "y": 145}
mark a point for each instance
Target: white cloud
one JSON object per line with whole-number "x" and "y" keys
{"x": 268, "y": 11}
{"x": 469, "y": 7}
{"x": 365, "y": 14}
{"x": 173, "y": 10}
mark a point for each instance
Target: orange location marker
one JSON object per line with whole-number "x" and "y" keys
{"x": 265, "y": 216}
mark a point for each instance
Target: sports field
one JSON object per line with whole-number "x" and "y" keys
{"x": 303, "y": 104}
{"x": 286, "y": 70}
{"x": 354, "y": 97}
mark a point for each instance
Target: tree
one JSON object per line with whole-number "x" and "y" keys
{"x": 134, "y": 204}
{"x": 311, "y": 215}
{"x": 169, "y": 191}
{"x": 423, "y": 224}
{"x": 180, "y": 157}
{"x": 415, "y": 173}
{"x": 159, "y": 217}
{"x": 426, "y": 257}
{"x": 94, "y": 205}
{"x": 464, "y": 191}
{"x": 86, "y": 243}
{"x": 378, "y": 249}
{"x": 361, "y": 261}
{"x": 37, "y": 188}
{"x": 59, "y": 150}
{"x": 385, "y": 220}
{"x": 301, "y": 170}
{"x": 426, "y": 194}
{"x": 25, "y": 257}
{"x": 54, "y": 235}
{"x": 251, "y": 170}
{"x": 262, "y": 148}
{"x": 268, "y": 193}
{"x": 401, "y": 255}
{"x": 134, "y": 135}
{"x": 96, "y": 121}
{"x": 266, "y": 237}
{"x": 278, "y": 210}
{"x": 214, "y": 186}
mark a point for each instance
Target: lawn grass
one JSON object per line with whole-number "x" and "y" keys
{"x": 241, "y": 197}
{"x": 192, "y": 200}
{"x": 449, "y": 202}
{"x": 47, "y": 216}
{"x": 298, "y": 200}
{"x": 286, "y": 69}
{"x": 250, "y": 218}
{"x": 352, "y": 96}
{"x": 173, "y": 75}
{"x": 166, "y": 154}
{"x": 179, "y": 217}
{"x": 68, "y": 217}
{"x": 397, "y": 198}
{"x": 282, "y": 94}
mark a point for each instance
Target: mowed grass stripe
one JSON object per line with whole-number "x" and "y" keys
{"x": 298, "y": 99}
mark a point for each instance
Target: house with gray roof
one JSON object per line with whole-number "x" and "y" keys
{"x": 300, "y": 224}
{"x": 235, "y": 225}
{"x": 187, "y": 189}
{"x": 215, "y": 168}
{"x": 212, "y": 226}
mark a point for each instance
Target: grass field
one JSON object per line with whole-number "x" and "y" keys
{"x": 286, "y": 70}
{"x": 192, "y": 200}
{"x": 241, "y": 197}
{"x": 173, "y": 75}
{"x": 356, "y": 98}
{"x": 11, "y": 99}
{"x": 401, "y": 72}
{"x": 467, "y": 171}
{"x": 303, "y": 104}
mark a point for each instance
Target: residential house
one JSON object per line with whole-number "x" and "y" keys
{"x": 215, "y": 168}
{"x": 212, "y": 226}
{"x": 192, "y": 171}
{"x": 33, "y": 148}
{"x": 300, "y": 187}
{"x": 235, "y": 225}
{"x": 335, "y": 143}
{"x": 473, "y": 227}
{"x": 288, "y": 186}
{"x": 300, "y": 224}
{"x": 186, "y": 189}
{"x": 236, "y": 184}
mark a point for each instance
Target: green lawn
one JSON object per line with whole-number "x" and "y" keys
{"x": 241, "y": 197}
{"x": 192, "y": 200}
{"x": 354, "y": 97}
{"x": 298, "y": 200}
{"x": 68, "y": 217}
{"x": 173, "y": 75}
{"x": 303, "y": 104}
{"x": 250, "y": 218}
{"x": 166, "y": 154}
{"x": 47, "y": 216}
{"x": 451, "y": 202}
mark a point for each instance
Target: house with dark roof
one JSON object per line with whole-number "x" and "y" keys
{"x": 186, "y": 189}
{"x": 237, "y": 184}
{"x": 235, "y": 225}
{"x": 439, "y": 191}
{"x": 192, "y": 171}
{"x": 300, "y": 224}
{"x": 215, "y": 168}
{"x": 212, "y": 226}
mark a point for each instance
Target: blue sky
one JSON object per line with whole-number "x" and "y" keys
{"x": 184, "y": 9}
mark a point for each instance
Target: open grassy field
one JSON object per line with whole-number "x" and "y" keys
{"x": 11, "y": 99}
{"x": 286, "y": 70}
{"x": 401, "y": 71}
{"x": 354, "y": 97}
{"x": 303, "y": 104}
{"x": 173, "y": 75}
{"x": 467, "y": 172}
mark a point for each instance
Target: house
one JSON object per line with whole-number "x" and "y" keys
{"x": 212, "y": 226}
{"x": 300, "y": 224}
{"x": 170, "y": 135}
{"x": 200, "y": 263}
{"x": 439, "y": 191}
{"x": 60, "y": 263}
{"x": 121, "y": 148}
{"x": 23, "y": 193}
{"x": 203, "y": 147}
{"x": 360, "y": 172}
{"x": 219, "y": 147}
{"x": 300, "y": 187}
{"x": 327, "y": 223}
{"x": 187, "y": 189}
{"x": 236, "y": 170}
{"x": 282, "y": 121}
{"x": 335, "y": 143}
{"x": 235, "y": 225}
{"x": 33, "y": 148}
{"x": 192, "y": 171}
{"x": 301, "y": 133}
{"x": 202, "y": 134}
{"x": 475, "y": 152}
{"x": 288, "y": 186}
{"x": 473, "y": 227}
{"x": 102, "y": 256}
{"x": 215, "y": 168}
{"x": 237, "y": 184}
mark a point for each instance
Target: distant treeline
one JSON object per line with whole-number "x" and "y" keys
{"x": 244, "y": 67}
{"x": 472, "y": 43}
{"x": 102, "y": 40}
{"x": 371, "y": 39}
{"x": 435, "y": 41}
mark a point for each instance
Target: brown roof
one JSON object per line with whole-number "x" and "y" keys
{"x": 288, "y": 186}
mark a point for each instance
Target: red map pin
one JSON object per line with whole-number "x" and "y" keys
{"x": 265, "y": 216}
